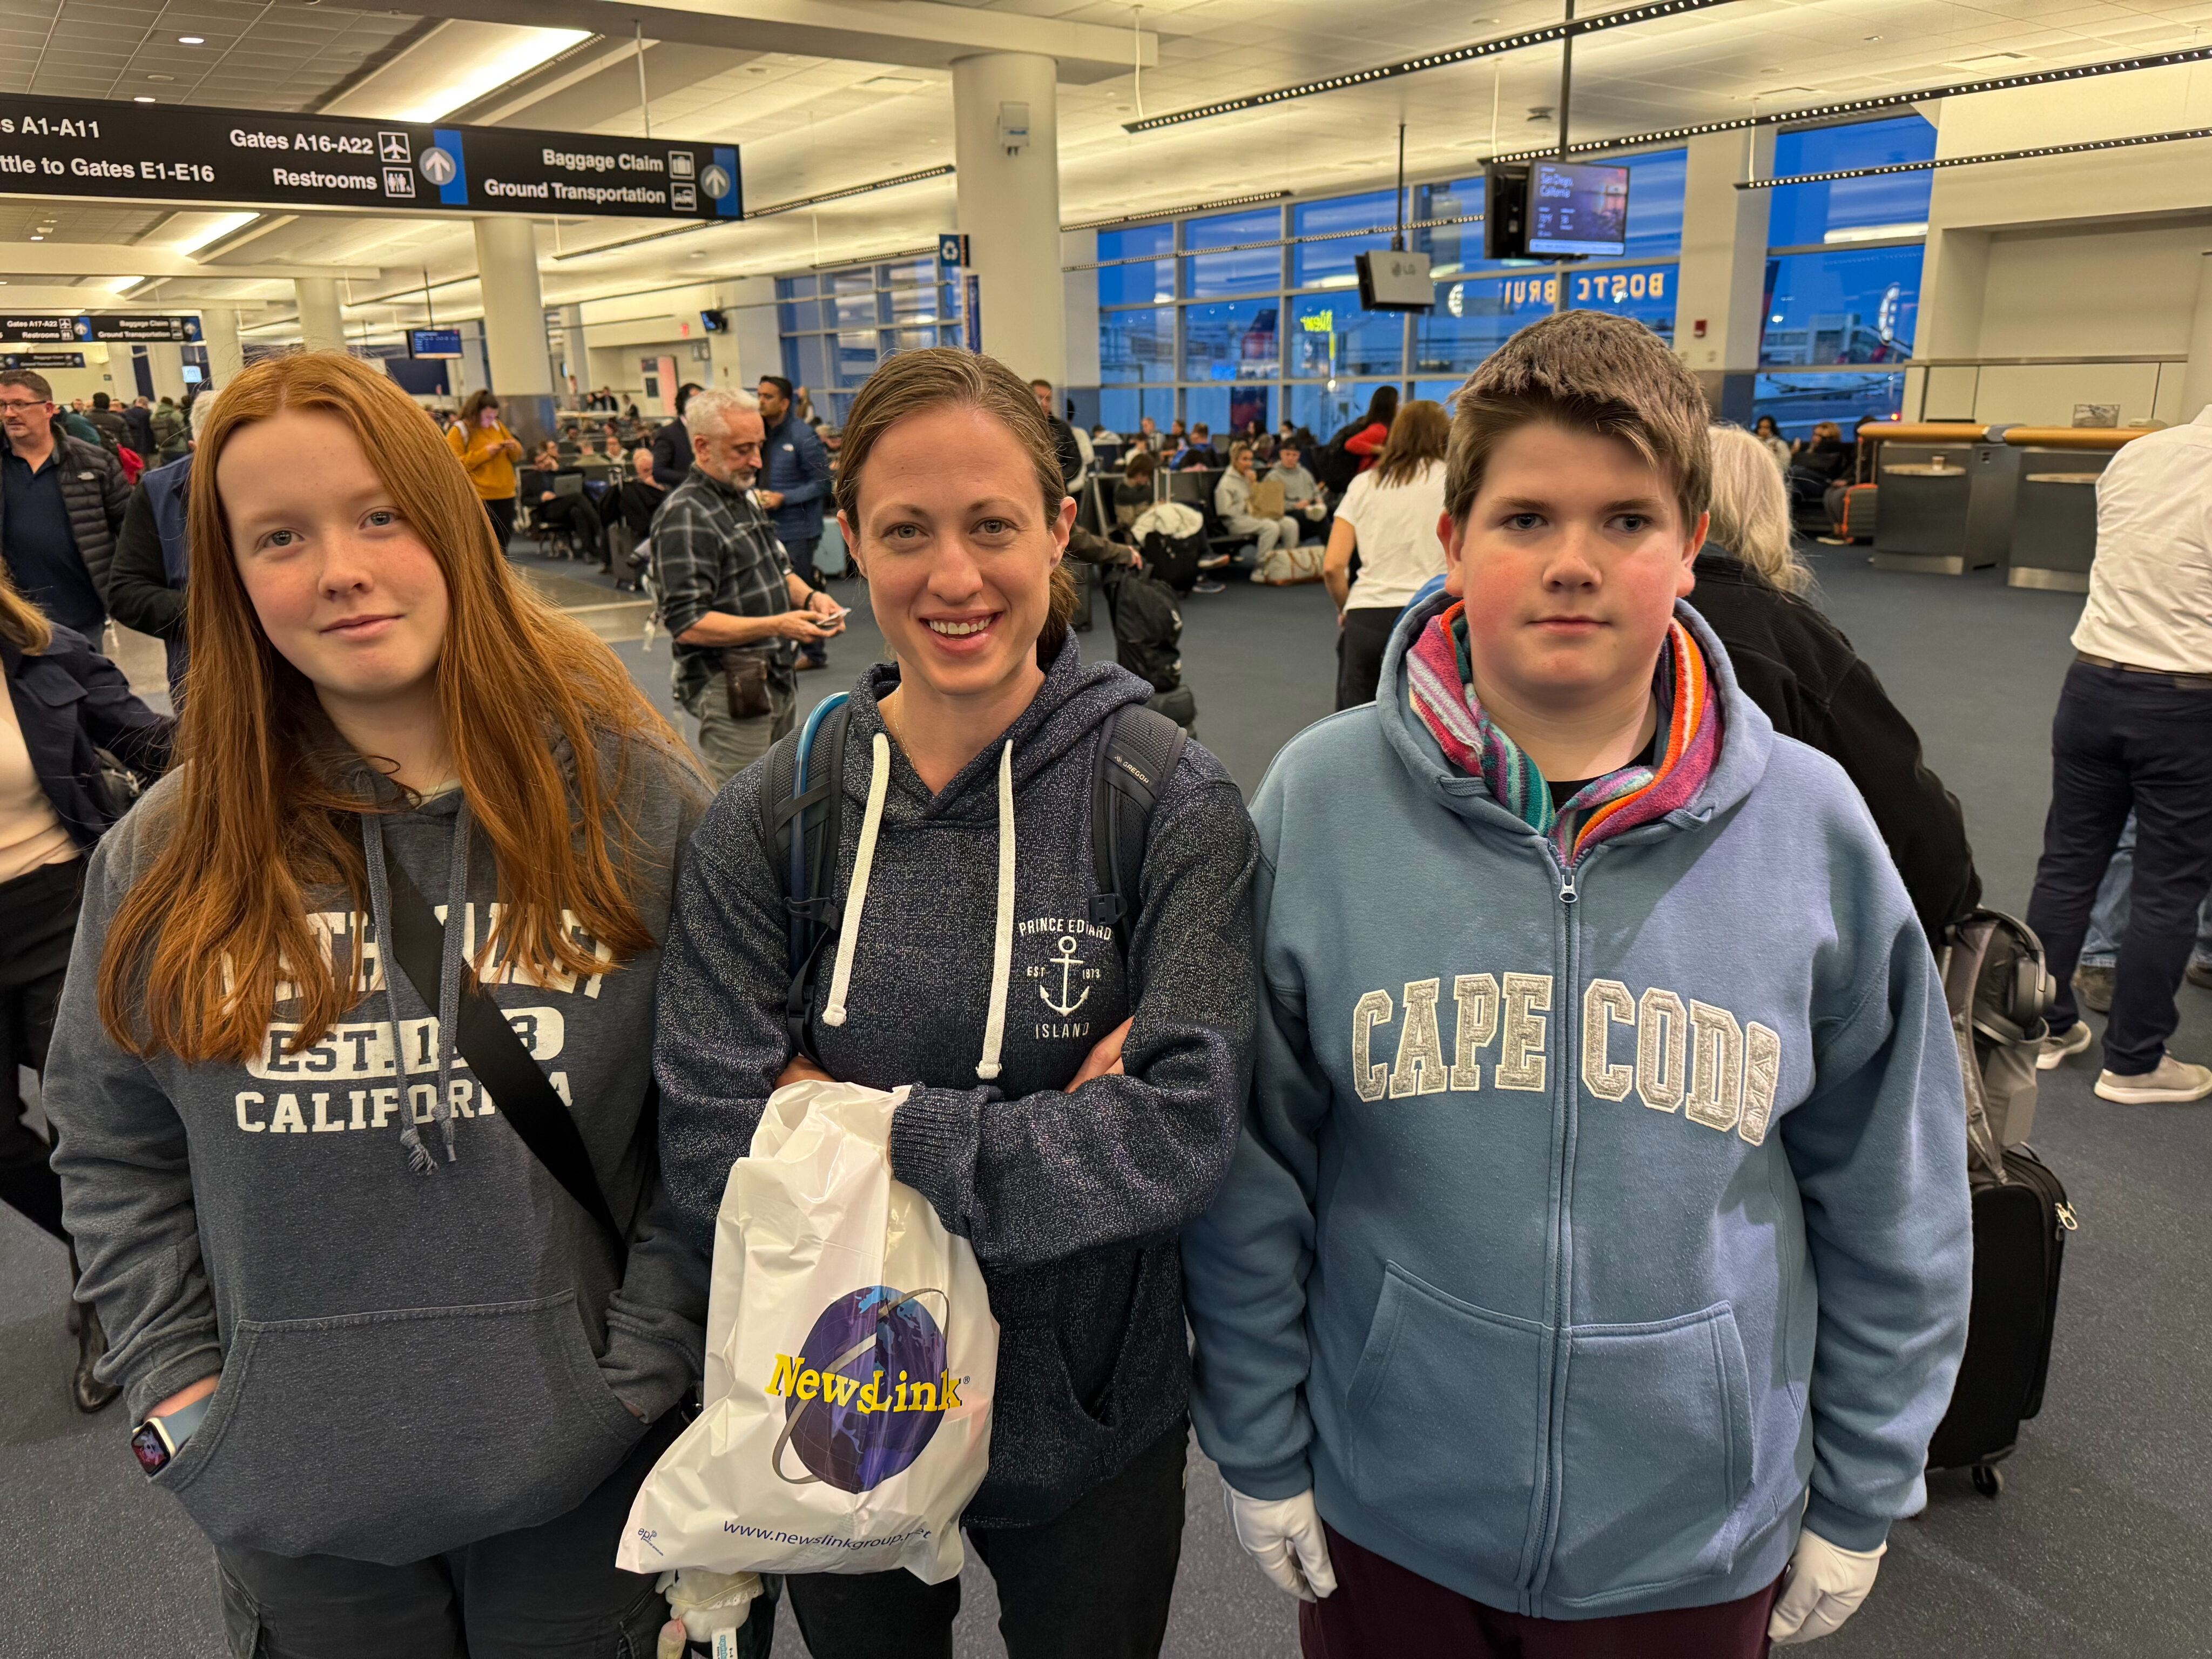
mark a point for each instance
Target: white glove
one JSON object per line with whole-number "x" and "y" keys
{"x": 708, "y": 1602}
{"x": 1826, "y": 1585}
{"x": 1284, "y": 1535}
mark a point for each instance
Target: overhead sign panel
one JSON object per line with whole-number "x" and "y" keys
{"x": 41, "y": 359}
{"x": 180, "y": 153}
{"x": 112, "y": 327}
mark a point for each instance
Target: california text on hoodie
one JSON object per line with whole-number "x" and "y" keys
{"x": 424, "y": 1339}
{"x": 966, "y": 966}
{"x": 1585, "y": 1217}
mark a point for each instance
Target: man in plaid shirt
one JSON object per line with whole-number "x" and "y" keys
{"x": 726, "y": 582}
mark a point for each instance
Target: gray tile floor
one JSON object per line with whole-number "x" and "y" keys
{"x": 2098, "y": 1547}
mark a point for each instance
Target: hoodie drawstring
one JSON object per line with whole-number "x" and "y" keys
{"x": 856, "y": 894}
{"x": 419, "y": 1157}
{"x": 1002, "y": 944}
{"x": 856, "y": 900}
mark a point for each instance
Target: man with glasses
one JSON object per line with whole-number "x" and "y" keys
{"x": 62, "y": 502}
{"x": 728, "y": 597}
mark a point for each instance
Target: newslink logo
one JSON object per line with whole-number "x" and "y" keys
{"x": 866, "y": 1390}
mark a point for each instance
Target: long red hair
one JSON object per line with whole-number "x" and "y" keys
{"x": 198, "y": 950}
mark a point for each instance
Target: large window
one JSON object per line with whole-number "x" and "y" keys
{"x": 1234, "y": 342}
{"x": 839, "y": 324}
{"x": 1851, "y": 210}
{"x": 1851, "y": 306}
{"x": 1251, "y": 314}
{"x": 1832, "y": 304}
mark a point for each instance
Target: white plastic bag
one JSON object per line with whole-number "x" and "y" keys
{"x": 851, "y": 1362}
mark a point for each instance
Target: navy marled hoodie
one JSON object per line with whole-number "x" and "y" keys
{"x": 1073, "y": 1202}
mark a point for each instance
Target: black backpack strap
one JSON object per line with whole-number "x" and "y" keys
{"x": 805, "y": 830}
{"x": 1139, "y": 750}
{"x": 503, "y": 1066}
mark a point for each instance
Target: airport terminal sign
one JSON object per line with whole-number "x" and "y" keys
{"x": 180, "y": 153}
{"x": 112, "y": 327}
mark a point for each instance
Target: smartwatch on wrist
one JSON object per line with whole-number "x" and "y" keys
{"x": 158, "y": 1439}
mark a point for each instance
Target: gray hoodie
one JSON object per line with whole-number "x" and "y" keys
{"x": 968, "y": 969}
{"x": 423, "y": 1339}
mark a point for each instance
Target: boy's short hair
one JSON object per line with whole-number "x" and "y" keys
{"x": 1588, "y": 371}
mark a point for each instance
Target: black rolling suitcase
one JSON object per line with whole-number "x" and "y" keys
{"x": 1997, "y": 988}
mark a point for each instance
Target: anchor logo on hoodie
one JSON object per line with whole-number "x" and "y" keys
{"x": 1067, "y": 962}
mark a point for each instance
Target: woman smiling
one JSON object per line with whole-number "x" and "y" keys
{"x": 1071, "y": 1106}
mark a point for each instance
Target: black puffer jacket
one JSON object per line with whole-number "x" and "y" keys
{"x": 68, "y": 699}
{"x": 1798, "y": 667}
{"x": 97, "y": 494}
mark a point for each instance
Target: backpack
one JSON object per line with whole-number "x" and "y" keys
{"x": 170, "y": 427}
{"x": 1999, "y": 992}
{"x": 1336, "y": 466}
{"x": 1147, "y": 626}
{"x": 803, "y": 822}
{"x": 1173, "y": 559}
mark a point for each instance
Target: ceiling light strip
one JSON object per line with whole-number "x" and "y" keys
{"x": 768, "y": 212}
{"x": 1120, "y": 219}
{"x": 1869, "y": 106}
{"x": 1549, "y": 35}
{"x": 1973, "y": 160}
{"x": 1287, "y": 241}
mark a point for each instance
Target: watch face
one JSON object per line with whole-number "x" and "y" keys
{"x": 152, "y": 1452}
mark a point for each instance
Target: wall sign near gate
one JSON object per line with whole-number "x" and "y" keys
{"x": 182, "y": 153}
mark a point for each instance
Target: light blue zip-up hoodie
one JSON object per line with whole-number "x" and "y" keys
{"x": 1583, "y": 1220}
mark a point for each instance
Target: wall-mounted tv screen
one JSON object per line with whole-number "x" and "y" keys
{"x": 1574, "y": 207}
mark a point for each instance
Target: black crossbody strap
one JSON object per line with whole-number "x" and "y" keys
{"x": 502, "y": 1064}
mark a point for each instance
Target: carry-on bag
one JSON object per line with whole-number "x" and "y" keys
{"x": 1998, "y": 990}
{"x": 852, "y": 1359}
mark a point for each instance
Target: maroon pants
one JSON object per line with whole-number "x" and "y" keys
{"x": 1382, "y": 1611}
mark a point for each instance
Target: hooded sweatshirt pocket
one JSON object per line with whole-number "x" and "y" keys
{"x": 1657, "y": 1427}
{"x": 388, "y": 1436}
{"x": 1443, "y": 1413}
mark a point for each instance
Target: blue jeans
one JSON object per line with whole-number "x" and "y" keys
{"x": 2108, "y": 921}
{"x": 2123, "y": 742}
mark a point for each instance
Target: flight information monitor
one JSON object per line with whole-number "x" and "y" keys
{"x": 1574, "y": 207}
{"x": 434, "y": 342}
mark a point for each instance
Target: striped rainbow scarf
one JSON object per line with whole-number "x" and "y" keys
{"x": 1440, "y": 688}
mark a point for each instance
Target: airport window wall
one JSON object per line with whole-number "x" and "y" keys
{"x": 1842, "y": 275}
{"x": 1253, "y": 315}
{"x": 838, "y": 325}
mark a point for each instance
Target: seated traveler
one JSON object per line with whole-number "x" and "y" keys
{"x": 1594, "y": 1265}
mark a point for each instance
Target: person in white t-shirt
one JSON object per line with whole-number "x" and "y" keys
{"x": 1389, "y": 518}
{"x": 2133, "y": 732}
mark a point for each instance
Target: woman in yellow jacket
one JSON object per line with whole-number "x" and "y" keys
{"x": 488, "y": 451}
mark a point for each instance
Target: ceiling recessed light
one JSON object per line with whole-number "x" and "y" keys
{"x": 142, "y": 97}
{"x": 192, "y": 39}
{"x": 160, "y": 78}
{"x": 37, "y": 236}
{"x": 1873, "y": 37}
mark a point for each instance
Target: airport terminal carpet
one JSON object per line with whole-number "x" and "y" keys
{"x": 2098, "y": 1547}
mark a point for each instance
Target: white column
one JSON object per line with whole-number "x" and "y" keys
{"x": 1722, "y": 283}
{"x": 1010, "y": 205}
{"x": 166, "y": 365}
{"x": 2196, "y": 381}
{"x": 515, "y": 325}
{"x": 322, "y": 325}
{"x": 575, "y": 352}
{"x": 219, "y": 333}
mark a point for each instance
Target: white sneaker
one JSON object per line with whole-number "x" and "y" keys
{"x": 2060, "y": 1044}
{"x": 2175, "y": 1082}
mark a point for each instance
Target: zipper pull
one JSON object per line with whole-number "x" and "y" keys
{"x": 2066, "y": 1218}
{"x": 1567, "y": 893}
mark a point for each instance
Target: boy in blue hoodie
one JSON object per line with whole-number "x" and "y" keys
{"x": 1593, "y": 1265}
